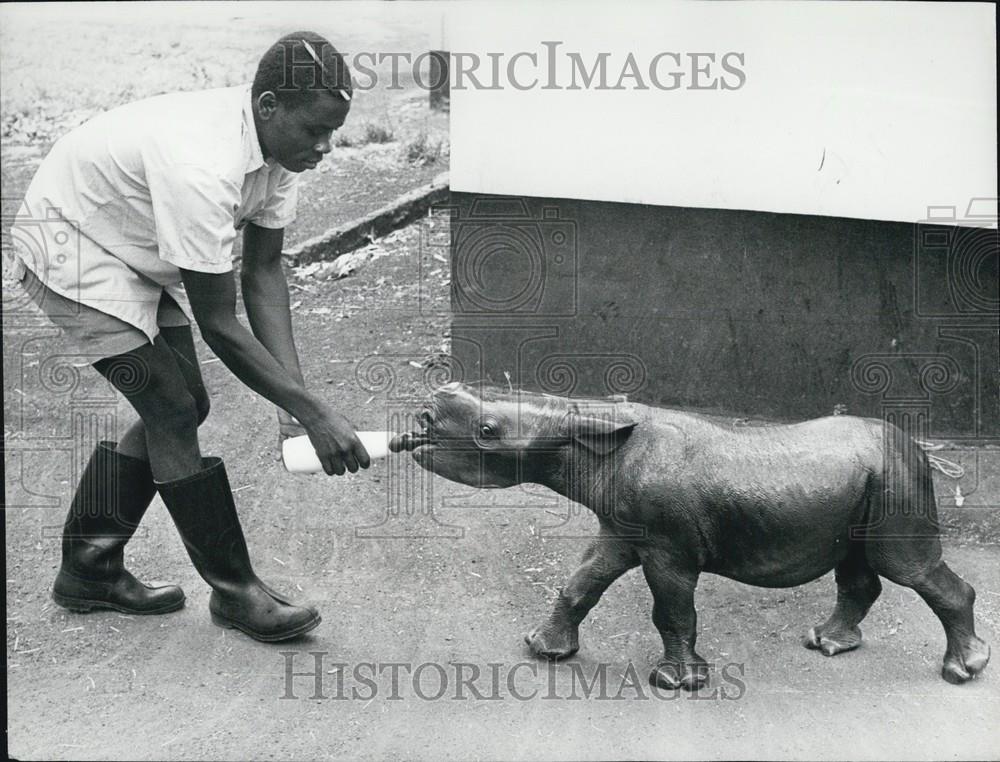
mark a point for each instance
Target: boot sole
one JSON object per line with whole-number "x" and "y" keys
{"x": 85, "y": 606}
{"x": 231, "y": 624}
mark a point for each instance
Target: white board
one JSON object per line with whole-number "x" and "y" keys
{"x": 866, "y": 110}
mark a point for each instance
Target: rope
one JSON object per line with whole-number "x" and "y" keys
{"x": 947, "y": 467}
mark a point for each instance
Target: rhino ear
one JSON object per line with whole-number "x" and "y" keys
{"x": 601, "y": 435}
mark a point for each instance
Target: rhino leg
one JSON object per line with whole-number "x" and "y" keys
{"x": 858, "y": 587}
{"x": 904, "y": 547}
{"x": 675, "y": 618}
{"x": 952, "y": 599}
{"x": 604, "y": 561}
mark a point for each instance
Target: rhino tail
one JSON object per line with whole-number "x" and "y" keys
{"x": 901, "y": 526}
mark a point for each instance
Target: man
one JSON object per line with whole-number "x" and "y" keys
{"x": 152, "y": 194}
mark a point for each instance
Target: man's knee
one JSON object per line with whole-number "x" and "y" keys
{"x": 166, "y": 405}
{"x": 175, "y": 412}
{"x": 152, "y": 381}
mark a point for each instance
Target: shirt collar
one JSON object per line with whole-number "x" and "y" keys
{"x": 254, "y": 154}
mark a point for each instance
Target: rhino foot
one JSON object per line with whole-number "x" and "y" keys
{"x": 830, "y": 641}
{"x": 970, "y": 661}
{"x": 670, "y": 675}
{"x": 553, "y": 643}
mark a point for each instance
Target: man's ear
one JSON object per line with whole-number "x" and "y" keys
{"x": 267, "y": 104}
{"x": 601, "y": 434}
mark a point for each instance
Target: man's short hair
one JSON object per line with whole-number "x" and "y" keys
{"x": 290, "y": 71}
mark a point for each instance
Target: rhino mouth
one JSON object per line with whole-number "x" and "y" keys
{"x": 411, "y": 440}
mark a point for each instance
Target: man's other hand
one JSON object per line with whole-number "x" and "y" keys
{"x": 289, "y": 427}
{"x": 335, "y": 441}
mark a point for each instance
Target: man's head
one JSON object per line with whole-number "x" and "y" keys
{"x": 301, "y": 94}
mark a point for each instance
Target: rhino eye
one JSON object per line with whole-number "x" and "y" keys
{"x": 488, "y": 429}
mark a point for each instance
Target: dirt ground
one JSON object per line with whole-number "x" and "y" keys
{"x": 413, "y": 571}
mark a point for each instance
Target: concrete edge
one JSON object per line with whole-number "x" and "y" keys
{"x": 360, "y": 232}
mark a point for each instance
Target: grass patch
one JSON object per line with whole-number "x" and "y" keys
{"x": 422, "y": 150}
{"x": 376, "y": 133}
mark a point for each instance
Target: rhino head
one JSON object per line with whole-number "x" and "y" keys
{"x": 485, "y": 436}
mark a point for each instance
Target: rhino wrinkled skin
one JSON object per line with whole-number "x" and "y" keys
{"x": 680, "y": 494}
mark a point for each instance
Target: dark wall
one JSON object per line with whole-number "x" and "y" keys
{"x": 741, "y": 313}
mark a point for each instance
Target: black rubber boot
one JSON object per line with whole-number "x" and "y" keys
{"x": 114, "y": 493}
{"x": 203, "y": 509}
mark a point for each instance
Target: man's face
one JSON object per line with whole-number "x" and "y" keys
{"x": 298, "y": 137}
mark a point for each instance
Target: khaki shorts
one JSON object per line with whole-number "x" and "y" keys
{"x": 88, "y": 331}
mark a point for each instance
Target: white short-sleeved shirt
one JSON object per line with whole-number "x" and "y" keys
{"x": 124, "y": 200}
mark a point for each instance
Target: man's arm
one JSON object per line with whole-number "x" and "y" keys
{"x": 265, "y": 296}
{"x": 213, "y": 302}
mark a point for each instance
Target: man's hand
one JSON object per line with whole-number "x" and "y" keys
{"x": 336, "y": 444}
{"x": 288, "y": 426}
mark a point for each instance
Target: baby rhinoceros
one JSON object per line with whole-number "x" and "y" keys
{"x": 681, "y": 494}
